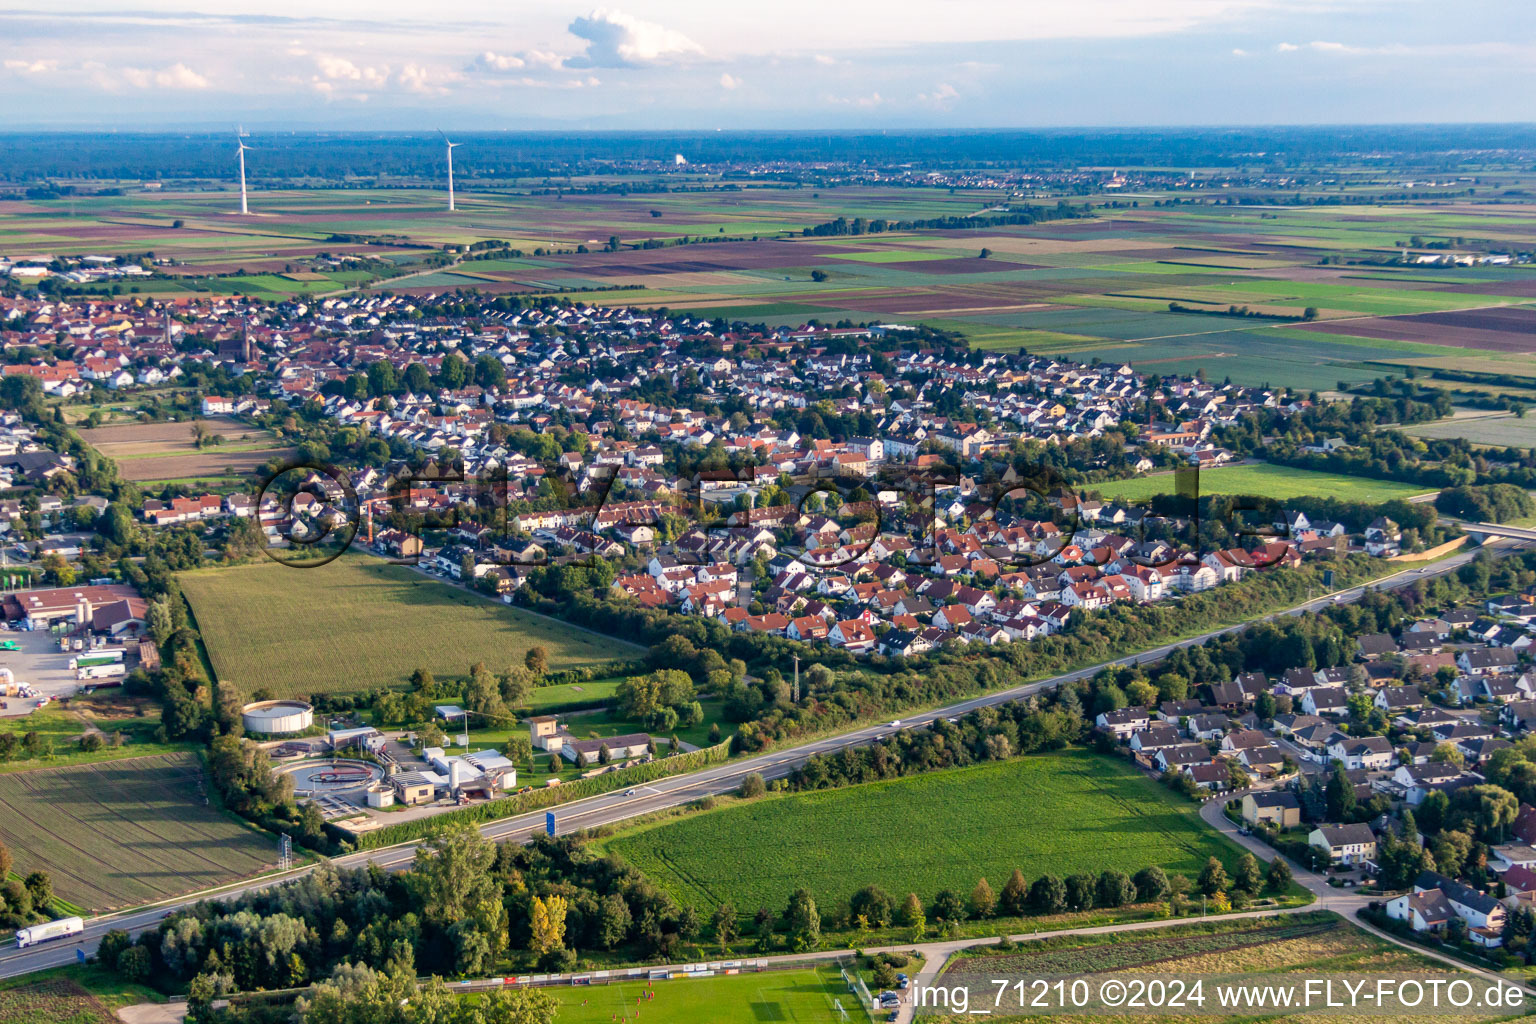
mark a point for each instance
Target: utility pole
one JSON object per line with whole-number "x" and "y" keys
{"x": 795, "y": 694}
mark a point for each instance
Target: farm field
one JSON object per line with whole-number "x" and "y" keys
{"x": 165, "y": 451}
{"x": 1094, "y": 286}
{"x": 124, "y": 833}
{"x": 1499, "y": 430}
{"x": 1266, "y": 480}
{"x": 57, "y": 1001}
{"x": 1069, "y": 812}
{"x": 1310, "y": 945}
{"x": 790, "y": 997}
{"x": 359, "y": 622}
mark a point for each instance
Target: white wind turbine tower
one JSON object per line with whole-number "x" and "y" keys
{"x": 450, "y": 146}
{"x": 241, "y": 148}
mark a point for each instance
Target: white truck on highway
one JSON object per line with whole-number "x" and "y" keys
{"x": 63, "y": 928}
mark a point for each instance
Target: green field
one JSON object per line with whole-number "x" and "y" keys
{"x": 125, "y": 833}
{"x": 1093, "y": 286}
{"x": 1279, "y": 482}
{"x": 359, "y": 622}
{"x": 791, "y": 997}
{"x": 1064, "y": 813}
{"x": 1500, "y": 430}
{"x": 61, "y": 726}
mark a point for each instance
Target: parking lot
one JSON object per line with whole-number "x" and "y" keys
{"x": 39, "y": 662}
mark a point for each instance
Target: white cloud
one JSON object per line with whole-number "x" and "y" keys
{"x": 943, "y": 95}
{"x": 1240, "y": 52}
{"x": 729, "y": 81}
{"x": 616, "y": 40}
{"x": 32, "y": 67}
{"x": 177, "y": 76}
{"x": 499, "y": 61}
{"x": 1286, "y": 47}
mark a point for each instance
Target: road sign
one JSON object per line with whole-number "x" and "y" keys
{"x": 1328, "y": 578}
{"x": 549, "y": 822}
{"x": 80, "y": 955}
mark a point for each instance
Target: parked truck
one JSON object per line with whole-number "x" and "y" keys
{"x": 63, "y": 928}
{"x": 108, "y": 656}
{"x": 111, "y": 670}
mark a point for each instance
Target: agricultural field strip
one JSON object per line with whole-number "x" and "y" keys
{"x": 121, "y": 794}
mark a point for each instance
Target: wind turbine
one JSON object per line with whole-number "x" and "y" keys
{"x": 450, "y": 146}
{"x": 241, "y": 147}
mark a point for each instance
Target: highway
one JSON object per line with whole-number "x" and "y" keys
{"x": 620, "y": 806}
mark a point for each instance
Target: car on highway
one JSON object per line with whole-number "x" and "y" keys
{"x": 896, "y": 724}
{"x": 629, "y": 792}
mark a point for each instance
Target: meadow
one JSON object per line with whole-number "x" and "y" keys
{"x": 1067, "y": 813}
{"x": 61, "y": 724}
{"x": 359, "y": 622}
{"x": 124, "y": 833}
{"x": 1265, "y": 480}
{"x": 791, "y": 997}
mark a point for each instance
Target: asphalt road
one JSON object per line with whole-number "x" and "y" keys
{"x": 616, "y": 807}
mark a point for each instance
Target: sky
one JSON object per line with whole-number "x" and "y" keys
{"x": 708, "y": 64}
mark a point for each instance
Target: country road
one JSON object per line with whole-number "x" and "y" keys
{"x": 614, "y": 808}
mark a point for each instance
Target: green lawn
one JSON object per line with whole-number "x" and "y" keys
{"x": 791, "y": 997}
{"x": 1064, "y": 813}
{"x": 360, "y": 622}
{"x": 1265, "y": 480}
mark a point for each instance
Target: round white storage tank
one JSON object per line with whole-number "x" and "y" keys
{"x": 274, "y": 717}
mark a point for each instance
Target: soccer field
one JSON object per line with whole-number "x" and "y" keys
{"x": 360, "y": 622}
{"x": 791, "y": 997}
{"x": 1063, "y": 813}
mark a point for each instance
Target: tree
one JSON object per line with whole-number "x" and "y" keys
{"x": 1448, "y": 753}
{"x": 753, "y": 786}
{"x": 983, "y": 900}
{"x": 159, "y": 620}
{"x": 134, "y": 963}
{"x": 517, "y": 685}
{"x": 451, "y": 879}
{"x": 1080, "y": 892}
{"x": 5, "y": 862}
{"x": 613, "y": 921}
{"x": 912, "y": 911}
{"x": 1277, "y": 877}
{"x": 724, "y": 922}
{"x": 1048, "y": 895}
{"x": 537, "y": 659}
{"x": 1114, "y": 889}
{"x": 803, "y": 920}
{"x": 948, "y": 906}
{"x": 1014, "y": 899}
{"x": 483, "y": 695}
{"x": 1340, "y": 797}
{"x": 546, "y": 922}
{"x": 1151, "y": 883}
{"x": 1247, "y": 876}
{"x": 1451, "y": 848}
{"x": 873, "y": 904}
{"x": 1213, "y": 877}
